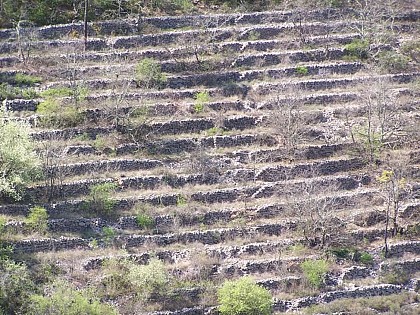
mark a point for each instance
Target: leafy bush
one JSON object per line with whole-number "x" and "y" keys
{"x": 37, "y": 220}
{"x": 201, "y": 98}
{"x": 150, "y": 279}
{"x": 53, "y": 115}
{"x": 353, "y": 254}
{"x": 315, "y": 271}
{"x": 302, "y": 70}
{"x": 99, "y": 199}
{"x": 244, "y": 297}
{"x": 56, "y": 92}
{"x": 366, "y": 258}
{"x": 63, "y": 299}
{"x": 19, "y": 162}
{"x": 149, "y": 74}
{"x": 108, "y": 234}
{"x": 15, "y": 286}
{"x": 144, "y": 221}
{"x": 357, "y": 49}
{"x": 25, "y": 79}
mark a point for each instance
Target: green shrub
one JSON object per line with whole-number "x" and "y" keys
{"x": 357, "y": 49}
{"x": 56, "y": 92}
{"x": 144, "y": 221}
{"x": 16, "y": 286}
{"x": 393, "y": 62}
{"x": 352, "y": 254}
{"x": 244, "y": 297}
{"x": 108, "y": 234}
{"x": 26, "y": 80}
{"x": 63, "y": 299}
{"x": 54, "y": 115}
{"x": 29, "y": 94}
{"x": 302, "y": 70}
{"x": 315, "y": 271}
{"x": 366, "y": 258}
{"x": 99, "y": 199}
{"x": 37, "y": 220}
{"x": 150, "y": 279}
{"x": 20, "y": 163}
{"x": 149, "y": 74}
{"x": 201, "y": 98}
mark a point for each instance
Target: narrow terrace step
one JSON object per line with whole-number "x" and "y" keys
{"x": 192, "y": 66}
{"x": 214, "y": 236}
{"x": 181, "y": 52}
{"x": 166, "y": 223}
{"x": 260, "y": 88}
{"x": 267, "y": 174}
{"x": 175, "y": 256}
{"x": 307, "y": 152}
{"x": 218, "y": 79}
{"x": 342, "y": 182}
{"x": 174, "y": 37}
{"x": 165, "y": 146}
{"x": 134, "y": 26}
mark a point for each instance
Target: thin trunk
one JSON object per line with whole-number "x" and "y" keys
{"x": 86, "y": 23}
{"x": 386, "y": 226}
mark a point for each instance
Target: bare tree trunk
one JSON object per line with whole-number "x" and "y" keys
{"x": 86, "y": 23}
{"x": 386, "y": 227}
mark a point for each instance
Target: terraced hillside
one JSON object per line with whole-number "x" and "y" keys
{"x": 224, "y": 145}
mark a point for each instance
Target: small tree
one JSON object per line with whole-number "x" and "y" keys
{"x": 19, "y": 163}
{"x": 394, "y": 190}
{"x": 244, "y": 297}
{"x": 287, "y": 120}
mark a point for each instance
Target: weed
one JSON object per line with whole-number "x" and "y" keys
{"x": 181, "y": 200}
{"x": 26, "y": 80}
{"x": 253, "y": 35}
{"x": 214, "y": 131}
{"x": 302, "y": 70}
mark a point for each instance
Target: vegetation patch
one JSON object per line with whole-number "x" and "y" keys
{"x": 244, "y": 296}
